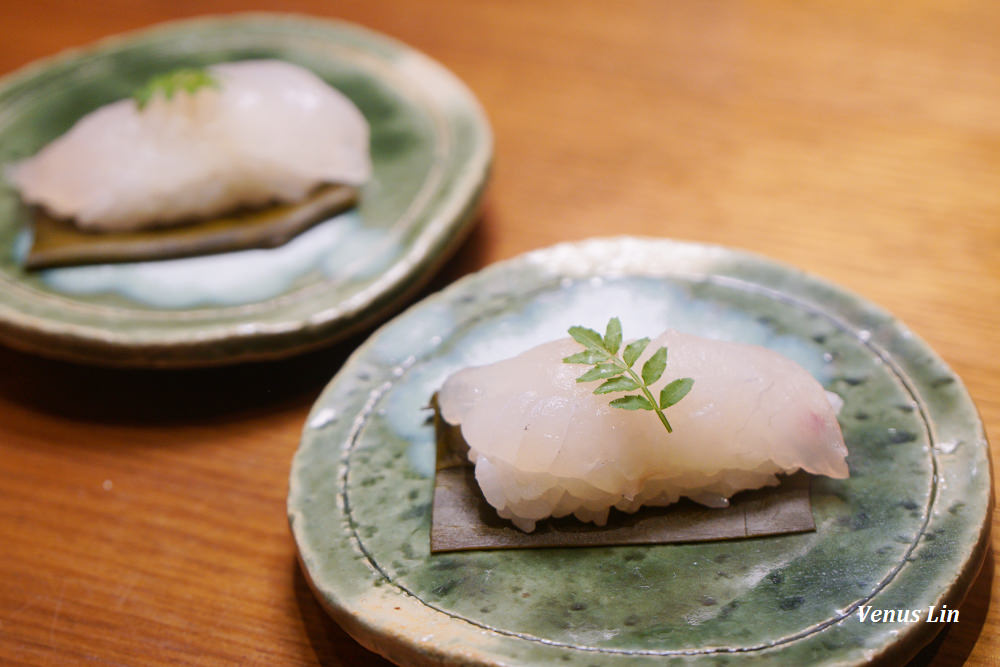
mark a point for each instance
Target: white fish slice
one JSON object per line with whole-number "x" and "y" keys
{"x": 545, "y": 445}
{"x": 271, "y": 131}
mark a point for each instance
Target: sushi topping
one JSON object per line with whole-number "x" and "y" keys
{"x": 196, "y": 144}
{"x": 619, "y": 374}
{"x": 185, "y": 79}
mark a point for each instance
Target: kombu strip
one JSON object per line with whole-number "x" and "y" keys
{"x": 461, "y": 519}
{"x": 58, "y": 242}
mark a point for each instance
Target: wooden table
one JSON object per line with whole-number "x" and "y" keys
{"x": 142, "y": 514}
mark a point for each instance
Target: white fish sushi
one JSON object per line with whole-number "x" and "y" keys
{"x": 545, "y": 445}
{"x": 269, "y": 131}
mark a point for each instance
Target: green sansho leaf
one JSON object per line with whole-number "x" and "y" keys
{"x": 186, "y": 79}
{"x": 674, "y": 392}
{"x": 613, "y": 335}
{"x": 600, "y": 372}
{"x": 617, "y": 384}
{"x": 587, "y": 337}
{"x": 618, "y": 373}
{"x": 632, "y": 402}
{"x": 654, "y": 366}
{"x": 585, "y": 357}
{"x": 633, "y": 350}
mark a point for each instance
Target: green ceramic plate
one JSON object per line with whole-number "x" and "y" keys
{"x": 908, "y": 530}
{"x": 431, "y": 148}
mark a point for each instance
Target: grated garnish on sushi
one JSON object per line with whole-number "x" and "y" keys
{"x": 545, "y": 444}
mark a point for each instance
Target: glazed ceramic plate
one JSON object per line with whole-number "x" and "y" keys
{"x": 908, "y": 529}
{"x": 431, "y": 148}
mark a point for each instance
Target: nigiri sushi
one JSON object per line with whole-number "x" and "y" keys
{"x": 544, "y": 444}
{"x": 264, "y": 131}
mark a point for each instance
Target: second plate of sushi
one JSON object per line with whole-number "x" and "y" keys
{"x": 820, "y": 380}
{"x": 226, "y": 189}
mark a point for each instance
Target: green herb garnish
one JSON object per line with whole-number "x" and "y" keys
{"x": 618, "y": 373}
{"x": 186, "y": 79}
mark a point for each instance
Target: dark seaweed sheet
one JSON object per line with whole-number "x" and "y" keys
{"x": 461, "y": 519}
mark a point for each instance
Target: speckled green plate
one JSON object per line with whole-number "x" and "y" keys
{"x": 431, "y": 148}
{"x": 907, "y": 530}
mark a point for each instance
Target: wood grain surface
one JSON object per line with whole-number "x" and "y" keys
{"x": 142, "y": 514}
